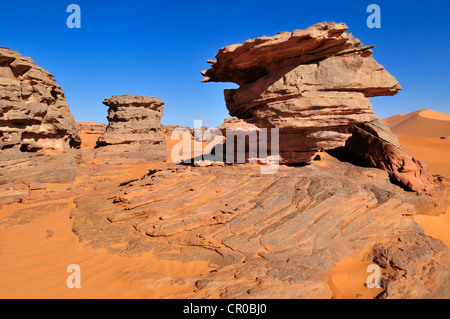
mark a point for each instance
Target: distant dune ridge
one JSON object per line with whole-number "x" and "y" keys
{"x": 422, "y": 123}
{"x": 424, "y": 134}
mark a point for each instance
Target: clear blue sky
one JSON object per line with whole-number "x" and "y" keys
{"x": 158, "y": 48}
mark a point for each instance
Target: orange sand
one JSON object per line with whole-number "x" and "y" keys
{"x": 437, "y": 154}
{"x": 419, "y": 134}
{"x": 88, "y": 140}
{"x": 346, "y": 280}
{"x": 33, "y": 264}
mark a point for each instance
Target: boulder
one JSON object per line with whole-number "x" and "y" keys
{"x": 376, "y": 144}
{"x": 38, "y": 134}
{"x": 134, "y": 128}
{"x": 311, "y": 84}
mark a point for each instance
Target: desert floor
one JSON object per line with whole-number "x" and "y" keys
{"x": 35, "y": 252}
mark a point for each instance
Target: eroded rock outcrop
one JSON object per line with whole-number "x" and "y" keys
{"x": 34, "y": 114}
{"x": 375, "y": 143}
{"x": 35, "y": 120}
{"x": 133, "y": 130}
{"x": 418, "y": 267}
{"x": 312, "y": 84}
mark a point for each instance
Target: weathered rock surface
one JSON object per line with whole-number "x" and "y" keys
{"x": 13, "y": 193}
{"x": 203, "y": 134}
{"x": 380, "y": 147}
{"x": 34, "y": 120}
{"x": 267, "y": 236}
{"x": 312, "y": 84}
{"x": 18, "y": 167}
{"x": 34, "y": 114}
{"x": 133, "y": 130}
{"x": 419, "y": 267}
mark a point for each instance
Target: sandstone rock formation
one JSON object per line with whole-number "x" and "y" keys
{"x": 133, "y": 130}
{"x": 35, "y": 120}
{"x": 312, "y": 84}
{"x": 18, "y": 167}
{"x": 415, "y": 261}
{"x": 380, "y": 147}
{"x": 34, "y": 114}
{"x": 264, "y": 236}
{"x": 203, "y": 134}
{"x": 269, "y": 236}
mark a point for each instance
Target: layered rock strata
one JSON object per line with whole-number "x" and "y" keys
{"x": 134, "y": 128}
{"x": 311, "y": 84}
{"x": 35, "y": 121}
{"x": 34, "y": 114}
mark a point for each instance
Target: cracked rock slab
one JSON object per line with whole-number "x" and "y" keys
{"x": 266, "y": 236}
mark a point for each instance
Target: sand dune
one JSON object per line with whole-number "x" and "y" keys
{"x": 419, "y": 134}
{"x": 422, "y": 123}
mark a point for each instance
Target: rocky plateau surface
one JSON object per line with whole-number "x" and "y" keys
{"x": 271, "y": 236}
